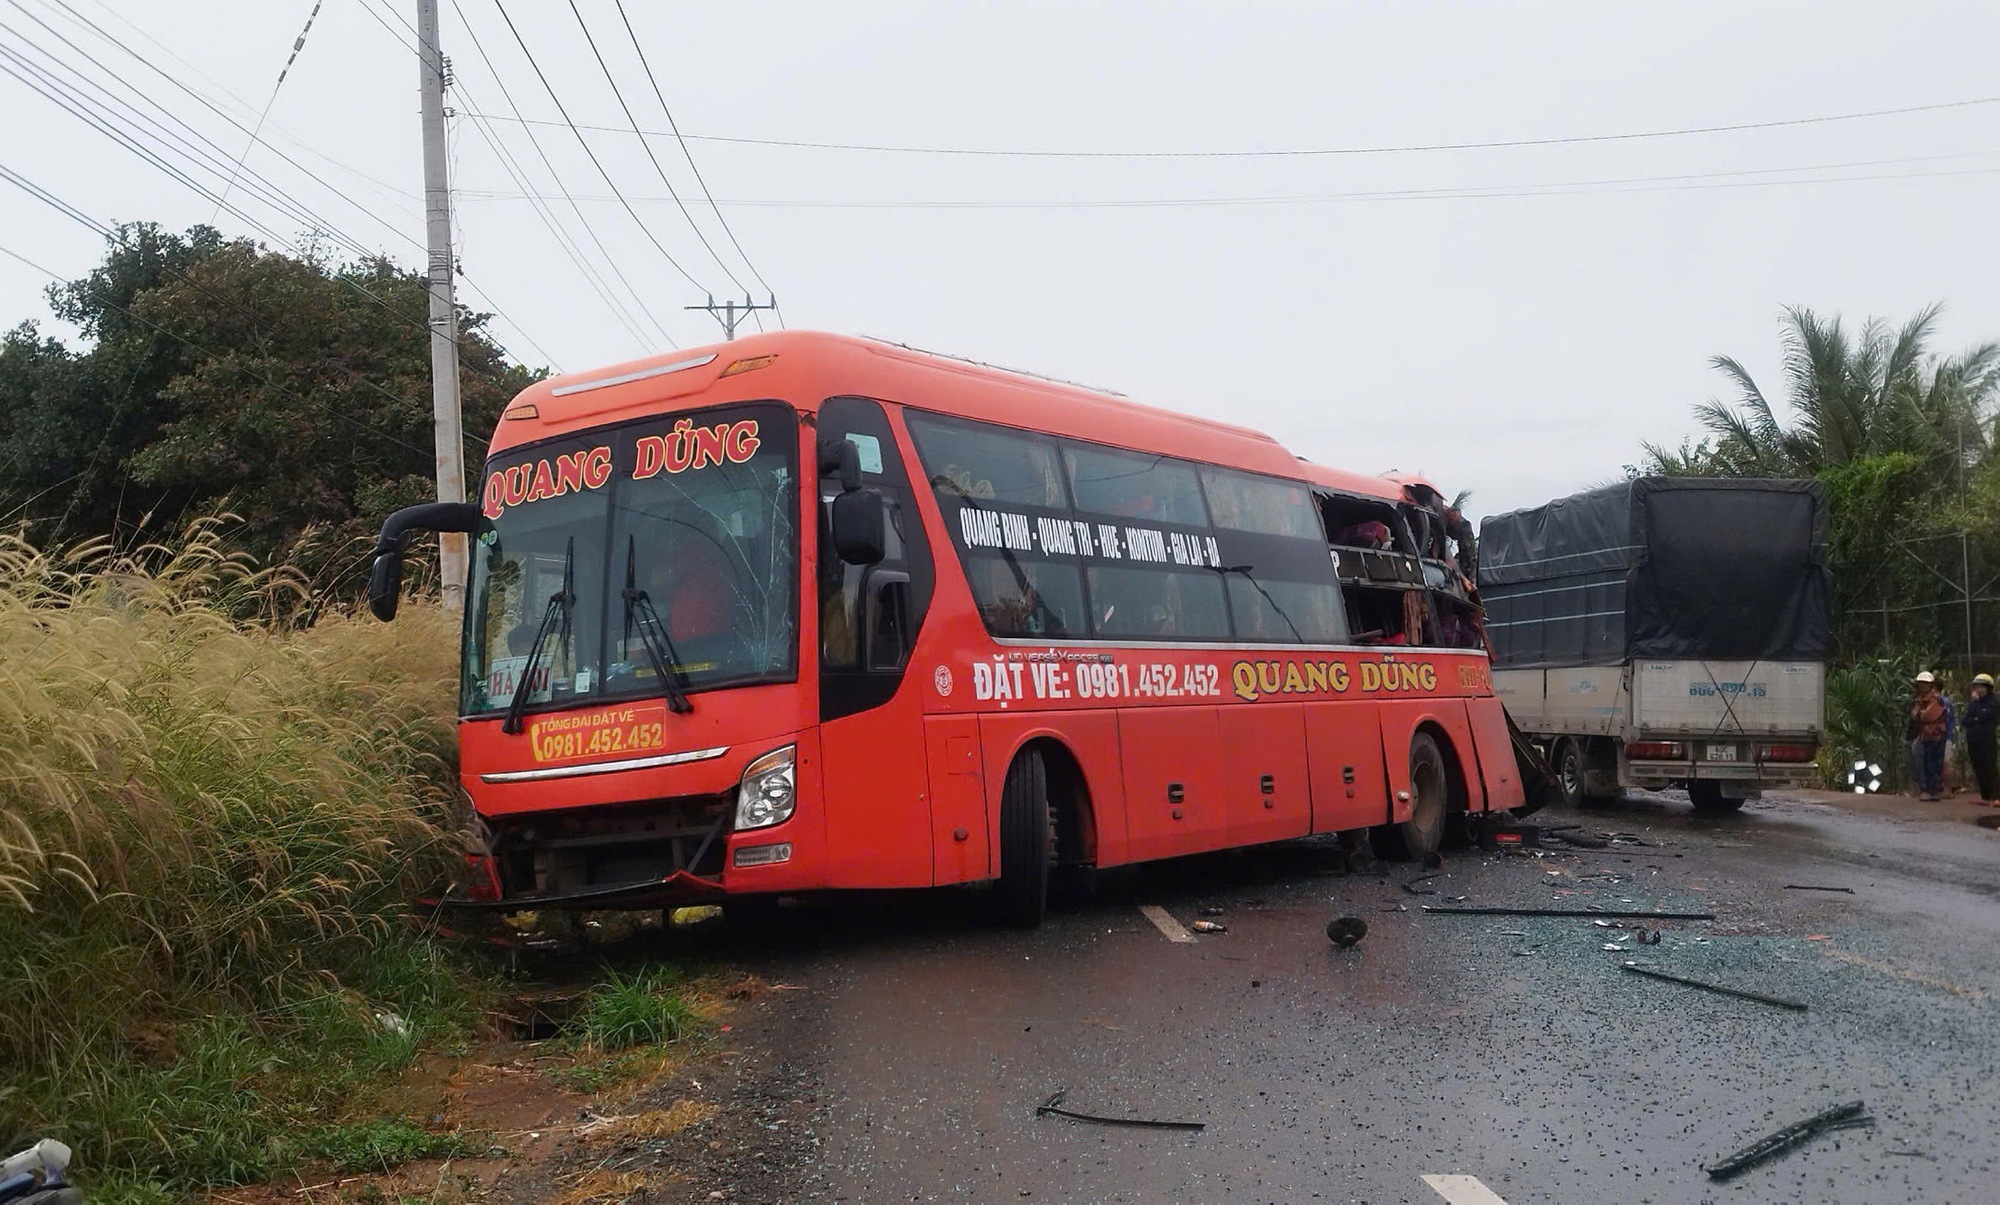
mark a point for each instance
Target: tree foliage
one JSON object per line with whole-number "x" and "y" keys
{"x": 1903, "y": 439}
{"x": 219, "y": 375}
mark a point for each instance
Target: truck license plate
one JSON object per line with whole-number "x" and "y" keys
{"x": 1722, "y": 753}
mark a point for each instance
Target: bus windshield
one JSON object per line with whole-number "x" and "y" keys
{"x": 682, "y": 525}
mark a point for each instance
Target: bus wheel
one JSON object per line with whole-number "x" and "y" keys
{"x": 1569, "y": 773}
{"x": 1430, "y": 801}
{"x": 1707, "y": 797}
{"x": 1027, "y": 843}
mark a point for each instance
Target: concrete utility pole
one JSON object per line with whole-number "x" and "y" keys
{"x": 432, "y": 69}
{"x": 729, "y": 313}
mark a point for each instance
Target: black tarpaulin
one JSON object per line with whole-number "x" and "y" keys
{"x": 1661, "y": 567}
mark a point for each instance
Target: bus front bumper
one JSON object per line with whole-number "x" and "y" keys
{"x": 677, "y": 890}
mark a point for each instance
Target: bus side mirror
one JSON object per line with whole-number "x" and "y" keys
{"x": 860, "y": 526}
{"x": 841, "y": 460}
{"x": 385, "y": 576}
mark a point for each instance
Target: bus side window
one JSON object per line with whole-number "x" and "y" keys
{"x": 869, "y": 615}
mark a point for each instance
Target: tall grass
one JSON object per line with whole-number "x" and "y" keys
{"x": 210, "y": 823}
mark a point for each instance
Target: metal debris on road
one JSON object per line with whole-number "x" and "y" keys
{"x": 1208, "y": 926}
{"x": 1649, "y": 937}
{"x": 1052, "y": 1107}
{"x": 1778, "y": 1142}
{"x": 1211, "y": 910}
{"x": 1413, "y": 889}
{"x": 1809, "y": 887}
{"x": 1431, "y": 908}
{"x": 1717, "y": 988}
{"x": 1344, "y": 931}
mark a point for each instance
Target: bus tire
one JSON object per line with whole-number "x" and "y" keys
{"x": 1027, "y": 843}
{"x": 1708, "y": 799}
{"x": 1568, "y": 762}
{"x": 1430, "y": 802}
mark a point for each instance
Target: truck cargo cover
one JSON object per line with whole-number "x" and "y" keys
{"x": 1663, "y": 568}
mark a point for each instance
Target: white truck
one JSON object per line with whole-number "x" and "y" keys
{"x": 1664, "y": 632}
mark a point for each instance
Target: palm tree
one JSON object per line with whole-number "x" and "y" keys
{"x": 1851, "y": 396}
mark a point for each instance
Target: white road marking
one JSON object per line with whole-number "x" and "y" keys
{"x": 1165, "y": 923}
{"x": 1463, "y": 1190}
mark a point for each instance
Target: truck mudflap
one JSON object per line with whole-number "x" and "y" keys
{"x": 679, "y": 889}
{"x": 1539, "y": 784}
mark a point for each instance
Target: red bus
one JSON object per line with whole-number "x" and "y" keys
{"x": 804, "y": 612}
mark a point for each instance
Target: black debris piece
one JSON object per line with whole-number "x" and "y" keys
{"x": 1809, "y": 887}
{"x": 1211, "y": 910}
{"x": 1344, "y": 931}
{"x": 1413, "y": 889}
{"x": 1717, "y": 988}
{"x": 1778, "y": 1142}
{"x": 1053, "y": 1107}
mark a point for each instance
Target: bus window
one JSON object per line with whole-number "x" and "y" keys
{"x": 1286, "y": 612}
{"x": 988, "y": 464}
{"x": 1247, "y": 502}
{"x": 1152, "y": 604}
{"x": 1026, "y": 598}
{"x": 1133, "y": 485}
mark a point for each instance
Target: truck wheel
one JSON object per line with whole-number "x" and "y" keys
{"x": 1027, "y": 843}
{"x": 1569, "y": 774}
{"x": 1423, "y": 832}
{"x": 1706, "y": 795}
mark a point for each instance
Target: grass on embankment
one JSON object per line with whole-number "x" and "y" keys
{"x": 211, "y": 821}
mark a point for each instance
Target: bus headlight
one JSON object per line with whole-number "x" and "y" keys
{"x": 769, "y": 791}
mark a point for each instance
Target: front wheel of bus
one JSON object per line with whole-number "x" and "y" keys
{"x": 1027, "y": 841}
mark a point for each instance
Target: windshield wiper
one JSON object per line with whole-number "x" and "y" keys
{"x": 653, "y": 634}
{"x": 555, "y": 619}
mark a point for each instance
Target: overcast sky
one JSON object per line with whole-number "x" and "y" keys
{"x": 1509, "y": 337}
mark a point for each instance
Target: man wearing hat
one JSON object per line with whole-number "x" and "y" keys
{"x": 1981, "y": 713}
{"x": 1929, "y": 729}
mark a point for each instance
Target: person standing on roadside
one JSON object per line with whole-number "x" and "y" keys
{"x": 1982, "y": 713}
{"x": 1929, "y": 728}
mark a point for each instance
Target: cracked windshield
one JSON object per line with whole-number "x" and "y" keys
{"x": 679, "y": 531}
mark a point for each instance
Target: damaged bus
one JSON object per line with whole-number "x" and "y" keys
{"x": 803, "y": 612}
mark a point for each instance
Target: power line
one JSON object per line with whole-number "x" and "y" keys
{"x": 611, "y": 261}
{"x": 619, "y": 93}
{"x": 689, "y": 156}
{"x": 585, "y": 144}
{"x": 297, "y": 45}
{"x": 1413, "y": 148}
{"x": 1691, "y": 181}
{"x": 299, "y": 209}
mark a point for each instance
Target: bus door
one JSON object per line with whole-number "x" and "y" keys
{"x": 875, "y": 796}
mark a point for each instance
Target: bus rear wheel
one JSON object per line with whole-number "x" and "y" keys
{"x": 1430, "y": 801}
{"x": 1027, "y": 843}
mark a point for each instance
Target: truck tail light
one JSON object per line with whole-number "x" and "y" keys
{"x": 1656, "y": 751}
{"x": 1788, "y": 753}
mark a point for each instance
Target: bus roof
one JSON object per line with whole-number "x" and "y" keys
{"x": 796, "y": 364}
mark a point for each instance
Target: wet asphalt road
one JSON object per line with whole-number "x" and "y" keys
{"x": 1510, "y": 1049}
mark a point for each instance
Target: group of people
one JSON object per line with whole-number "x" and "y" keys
{"x": 1933, "y": 724}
